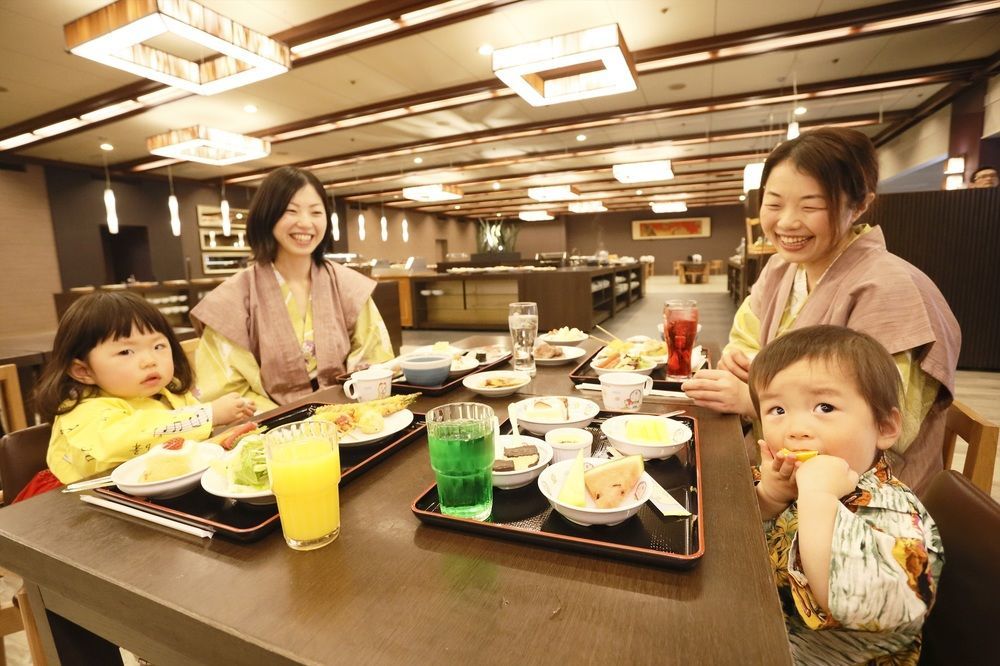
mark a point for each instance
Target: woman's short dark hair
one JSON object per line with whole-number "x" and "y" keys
{"x": 858, "y": 354}
{"x": 269, "y": 204}
{"x": 94, "y": 318}
{"x": 841, "y": 160}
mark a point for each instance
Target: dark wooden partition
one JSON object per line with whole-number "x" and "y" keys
{"x": 953, "y": 237}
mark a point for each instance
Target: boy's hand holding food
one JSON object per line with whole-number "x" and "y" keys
{"x": 827, "y": 475}
{"x": 777, "y": 488}
{"x": 231, "y": 407}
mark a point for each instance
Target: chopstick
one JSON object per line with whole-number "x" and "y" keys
{"x": 606, "y": 331}
{"x": 601, "y": 340}
{"x": 90, "y": 484}
{"x": 142, "y": 515}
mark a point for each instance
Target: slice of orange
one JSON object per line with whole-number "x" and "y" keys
{"x": 801, "y": 456}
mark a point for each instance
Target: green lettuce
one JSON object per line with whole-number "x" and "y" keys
{"x": 249, "y": 468}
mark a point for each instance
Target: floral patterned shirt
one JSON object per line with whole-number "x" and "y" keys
{"x": 885, "y": 564}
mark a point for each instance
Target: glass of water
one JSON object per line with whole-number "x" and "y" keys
{"x": 523, "y": 321}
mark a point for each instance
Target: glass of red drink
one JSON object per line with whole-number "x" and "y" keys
{"x": 680, "y": 326}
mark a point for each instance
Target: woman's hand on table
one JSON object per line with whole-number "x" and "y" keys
{"x": 231, "y": 407}
{"x": 720, "y": 391}
{"x": 737, "y": 363}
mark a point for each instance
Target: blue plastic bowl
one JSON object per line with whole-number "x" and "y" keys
{"x": 426, "y": 369}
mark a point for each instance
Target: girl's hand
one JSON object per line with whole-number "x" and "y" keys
{"x": 719, "y": 390}
{"x": 777, "y": 476}
{"x": 737, "y": 363}
{"x": 828, "y": 475}
{"x": 231, "y": 407}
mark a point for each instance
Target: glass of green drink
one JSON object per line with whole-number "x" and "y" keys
{"x": 460, "y": 440}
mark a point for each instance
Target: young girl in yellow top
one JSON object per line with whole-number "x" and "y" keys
{"x": 117, "y": 384}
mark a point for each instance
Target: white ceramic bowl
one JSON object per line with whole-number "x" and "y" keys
{"x": 553, "y": 339}
{"x": 426, "y": 368}
{"x": 463, "y": 364}
{"x": 581, "y": 413}
{"x": 614, "y": 430}
{"x": 127, "y": 475}
{"x": 519, "y": 479}
{"x": 646, "y": 367}
{"x": 563, "y": 448}
{"x": 551, "y": 481}
{"x": 476, "y": 382}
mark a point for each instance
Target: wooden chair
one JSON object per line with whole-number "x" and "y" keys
{"x": 961, "y": 628}
{"x": 716, "y": 267}
{"x": 981, "y": 435}
{"x": 22, "y": 455}
{"x": 679, "y": 268}
{"x": 11, "y": 404}
{"x": 190, "y": 347}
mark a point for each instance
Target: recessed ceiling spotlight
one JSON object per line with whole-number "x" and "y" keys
{"x": 743, "y": 197}
{"x": 418, "y": 160}
{"x": 250, "y": 108}
{"x": 800, "y": 110}
{"x": 496, "y": 185}
{"x": 581, "y": 137}
{"x": 486, "y": 49}
{"x": 107, "y": 146}
{"x": 638, "y": 193}
{"x": 457, "y": 207}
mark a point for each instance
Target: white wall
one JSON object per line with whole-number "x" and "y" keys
{"x": 991, "y": 115}
{"x": 29, "y": 270}
{"x": 916, "y": 146}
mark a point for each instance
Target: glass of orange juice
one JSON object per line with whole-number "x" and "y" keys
{"x": 303, "y": 463}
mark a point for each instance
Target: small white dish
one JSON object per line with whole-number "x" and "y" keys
{"x": 555, "y": 338}
{"x": 569, "y": 354}
{"x": 393, "y": 424}
{"x": 215, "y": 483}
{"x": 462, "y": 364}
{"x": 614, "y": 430}
{"x": 565, "y": 442}
{"x": 580, "y": 413}
{"x": 477, "y": 382}
{"x": 127, "y": 476}
{"x": 520, "y": 478}
{"x": 551, "y": 481}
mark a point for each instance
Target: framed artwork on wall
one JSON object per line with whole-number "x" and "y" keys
{"x": 680, "y": 227}
{"x": 211, "y": 216}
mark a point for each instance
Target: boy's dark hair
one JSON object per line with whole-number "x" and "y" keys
{"x": 858, "y": 354}
{"x": 100, "y": 316}
{"x": 269, "y": 204}
{"x": 841, "y": 160}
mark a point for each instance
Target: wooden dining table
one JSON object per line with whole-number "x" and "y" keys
{"x": 391, "y": 589}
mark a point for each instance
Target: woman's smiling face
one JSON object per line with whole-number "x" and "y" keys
{"x": 795, "y": 215}
{"x": 300, "y": 229}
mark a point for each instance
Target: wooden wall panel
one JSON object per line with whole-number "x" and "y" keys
{"x": 953, "y": 237}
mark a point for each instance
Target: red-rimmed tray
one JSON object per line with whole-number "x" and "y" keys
{"x": 648, "y": 537}
{"x": 400, "y": 385}
{"x": 244, "y": 522}
{"x": 584, "y": 373}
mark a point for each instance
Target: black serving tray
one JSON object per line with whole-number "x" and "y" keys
{"x": 584, "y": 373}
{"x": 648, "y": 537}
{"x": 246, "y": 522}
{"x": 400, "y": 385}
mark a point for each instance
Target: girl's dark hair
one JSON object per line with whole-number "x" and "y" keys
{"x": 100, "y": 316}
{"x": 841, "y": 160}
{"x": 861, "y": 357}
{"x": 269, "y": 204}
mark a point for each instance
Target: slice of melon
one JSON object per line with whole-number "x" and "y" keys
{"x": 611, "y": 482}
{"x": 573, "y": 490}
{"x": 801, "y": 456}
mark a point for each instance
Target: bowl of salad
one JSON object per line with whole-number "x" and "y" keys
{"x": 242, "y": 474}
{"x": 622, "y": 362}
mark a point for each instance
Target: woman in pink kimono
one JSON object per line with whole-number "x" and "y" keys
{"x": 293, "y": 321}
{"x": 830, "y": 270}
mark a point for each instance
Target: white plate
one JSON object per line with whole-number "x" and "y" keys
{"x": 551, "y": 481}
{"x": 569, "y": 354}
{"x": 581, "y": 413}
{"x": 215, "y": 483}
{"x": 126, "y": 476}
{"x": 463, "y": 364}
{"x": 475, "y": 383}
{"x": 556, "y": 340}
{"x": 393, "y": 424}
{"x": 614, "y": 430}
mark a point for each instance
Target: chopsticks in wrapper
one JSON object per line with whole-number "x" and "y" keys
{"x": 142, "y": 515}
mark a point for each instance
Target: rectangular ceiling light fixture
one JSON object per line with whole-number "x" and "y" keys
{"x": 642, "y": 172}
{"x": 115, "y": 34}
{"x": 587, "y": 207}
{"x": 579, "y": 65}
{"x": 432, "y": 193}
{"x": 553, "y": 193}
{"x": 535, "y": 216}
{"x": 669, "y": 207}
{"x": 208, "y": 146}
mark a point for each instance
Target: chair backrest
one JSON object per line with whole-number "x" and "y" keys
{"x": 10, "y": 398}
{"x": 22, "y": 455}
{"x": 190, "y": 347}
{"x": 961, "y": 628}
{"x": 981, "y": 435}
{"x": 679, "y": 267}
{"x": 716, "y": 266}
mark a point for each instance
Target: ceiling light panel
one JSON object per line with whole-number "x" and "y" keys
{"x": 208, "y": 146}
{"x": 643, "y": 172}
{"x": 432, "y": 193}
{"x": 553, "y": 193}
